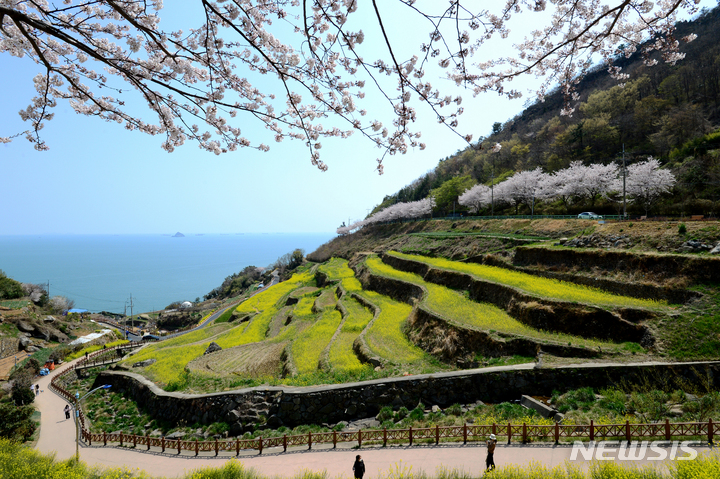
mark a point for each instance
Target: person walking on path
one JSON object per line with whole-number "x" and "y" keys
{"x": 490, "y": 460}
{"x": 358, "y": 467}
{"x": 37, "y": 389}
{"x": 67, "y": 411}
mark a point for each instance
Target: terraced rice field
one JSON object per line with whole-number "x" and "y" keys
{"x": 308, "y": 347}
{"x": 341, "y": 355}
{"x": 535, "y": 285}
{"x": 172, "y": 356}
{"x": 455, "y": 306}
{"x": 256, "y": 360}
{"x": 385, "y": 337}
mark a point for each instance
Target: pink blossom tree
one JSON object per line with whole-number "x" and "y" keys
{"x": 398, "y": 211}
{"x": 646, "y": 182}
{"x": 292, "y": 64}
{"x": 475, "y": 198}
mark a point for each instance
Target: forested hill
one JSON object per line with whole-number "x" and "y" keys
{"x": 669, "y": 112}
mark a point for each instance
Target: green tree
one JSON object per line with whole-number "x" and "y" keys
{"x": 9, "y": 288}
{"x": 16, "y": 422}
{"x": 449, "y": 191}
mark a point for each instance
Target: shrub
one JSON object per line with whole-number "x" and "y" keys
{"x": 15, "y": 422}
{"x": 385, "y": 414}
{"x": 9, "y": 288}
{"x": 682, "y": 229}
{"x": 21, "y": 392}
{"x": 402, "y": 413}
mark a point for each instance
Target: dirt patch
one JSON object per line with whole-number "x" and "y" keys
{"x": 254, "y": 360}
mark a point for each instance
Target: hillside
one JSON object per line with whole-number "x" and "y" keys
{"x": 671, "y": 112}
{"x": 433, "y": 296}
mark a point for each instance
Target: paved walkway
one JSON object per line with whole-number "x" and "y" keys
{"x": 57, "y": 435}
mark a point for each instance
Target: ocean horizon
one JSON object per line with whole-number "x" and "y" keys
{"x": 101, "y": 272}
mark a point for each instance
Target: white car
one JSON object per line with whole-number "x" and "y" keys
{"x": 589, "y": 215}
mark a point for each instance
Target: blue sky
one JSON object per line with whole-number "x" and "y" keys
{"x": 99, "y": 178}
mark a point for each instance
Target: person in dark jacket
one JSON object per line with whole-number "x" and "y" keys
{"x": 359, "y": 467}
{"x": 490, "y": 460}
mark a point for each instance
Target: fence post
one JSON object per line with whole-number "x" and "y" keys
{"x": 148, "y": 441}
{"x": 309, "y": 440}
{"x": 104, "y": 438}
{"x": 667, "y": 429}
{"x": 627, "y": 431}
{"x": 557, "y": 433}
{"x": 216, "y": 446}
{"x": 196, "y": 447}
{"x": 162, "y": 443}
{"x": 384, "y": 436}
{"x": 284, "y": 442}
{"x": 494, "y": 429}
{"x": 509, "y": 432}
{"x": 437, "y": 434}
{"x": 524, "y": 440}
{"x": 334, "y": 439}
{"x": 121, "y": 439}
{"x": 134, "y": 440}
{"x": 360, "y": 438}
{"x": 465, "y": 433}
{"x": 237, "y": 446}
{"x": 260, "y": 445}
{"x": 592, "y": 430}
{"x": 179, "y": 446}
{"x": 710, "y": 431}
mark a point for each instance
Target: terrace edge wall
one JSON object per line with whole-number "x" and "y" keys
{"x": 292, "y": 406}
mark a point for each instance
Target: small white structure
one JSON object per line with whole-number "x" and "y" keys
{"x": 186, "y": 304}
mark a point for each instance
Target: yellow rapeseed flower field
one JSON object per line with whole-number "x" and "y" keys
{"x": 455, "y": 306}
{"x": 308, "y": 347}
{"x": 342, "y": 356}
{"x": 535, "y": 285}
{"x": 174, "y": 354}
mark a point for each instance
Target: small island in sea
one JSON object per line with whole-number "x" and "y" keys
{"x": 178, "y": 235}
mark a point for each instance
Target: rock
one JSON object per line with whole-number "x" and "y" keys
{"x": 212, "y": 348}
{"x": 156, "y": 433}
{"x": 25, "y": 343}
{"x": 685, "y": 249}
{"x": 274, "y": 421}
{"x": 145, "y": 363}
{"x": 25, "y": 327}
{"x": 236, "y": 429}
{"x": 716, "y": 249}
{"x": 435, "y": 409}
{"x": 49, "y": 319}
{"x": 176, "y": 435}
{"x": 32, "y": 349}
{"x": 58, "y": 336}
{"x": 676, "y": 411}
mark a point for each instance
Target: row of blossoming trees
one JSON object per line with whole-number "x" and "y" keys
{"x": 645, "y": 182}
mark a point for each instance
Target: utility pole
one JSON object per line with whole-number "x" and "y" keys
{"x": 624, "y": 173}
{"x": 492, "y": 192}
{"x": 132, "y": 325}
{"x": 48, "y": 289}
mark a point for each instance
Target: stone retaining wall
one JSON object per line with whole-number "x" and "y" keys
{"x": 276, "y": 406}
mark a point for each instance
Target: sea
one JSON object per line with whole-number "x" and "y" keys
{"x": 113, "y": 272}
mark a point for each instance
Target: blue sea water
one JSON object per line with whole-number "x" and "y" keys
{"x": 101, "y": 272}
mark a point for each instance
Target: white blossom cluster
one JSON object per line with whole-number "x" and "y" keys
{"x": 292, "y": 64}
{"x": 645, "y": 183}
{"x": 398, "y": 211}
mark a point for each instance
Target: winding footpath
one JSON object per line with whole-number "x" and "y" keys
{"x": 57, "y": 435}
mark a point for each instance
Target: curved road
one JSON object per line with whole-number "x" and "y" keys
{"x": 57, "y": 435}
